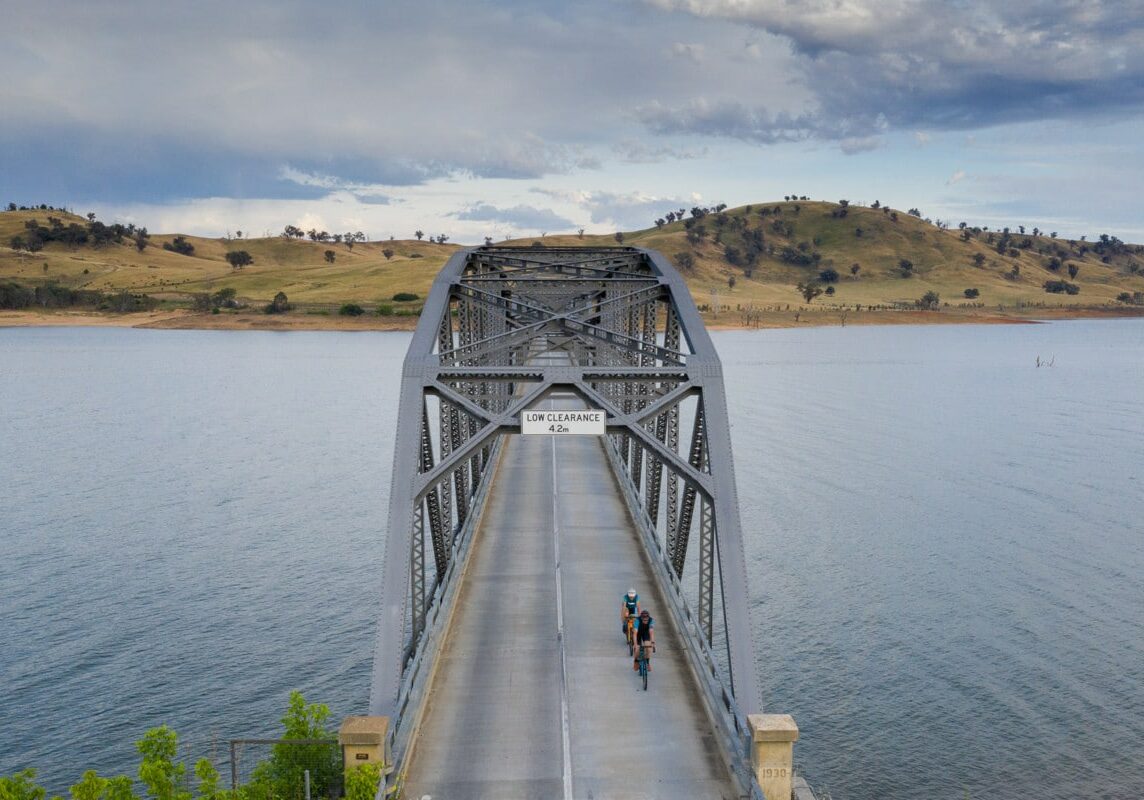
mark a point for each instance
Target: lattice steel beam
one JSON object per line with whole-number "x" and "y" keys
{"x": 504, "y": 328}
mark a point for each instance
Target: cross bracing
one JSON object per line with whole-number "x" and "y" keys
{"x": 503, "y": 330}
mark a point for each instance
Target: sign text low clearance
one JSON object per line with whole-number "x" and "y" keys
{"x": 591, "y": 422}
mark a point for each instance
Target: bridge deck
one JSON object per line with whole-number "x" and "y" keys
{"x": 501, "y": 720}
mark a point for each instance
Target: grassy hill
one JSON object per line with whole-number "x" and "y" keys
{"x": 748, "y": 257}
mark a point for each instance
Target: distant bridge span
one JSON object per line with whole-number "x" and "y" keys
{"x": 499, "y": 663}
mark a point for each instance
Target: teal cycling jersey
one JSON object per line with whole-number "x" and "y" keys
{"x": 632, "y": 603}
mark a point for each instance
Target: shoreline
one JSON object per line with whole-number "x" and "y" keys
{"x": 813, "y": 317}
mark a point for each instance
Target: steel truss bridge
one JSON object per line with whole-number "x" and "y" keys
{"x": 510, "y": 329}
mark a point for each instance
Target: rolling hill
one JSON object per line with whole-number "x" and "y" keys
{"x": 738, "y": 262}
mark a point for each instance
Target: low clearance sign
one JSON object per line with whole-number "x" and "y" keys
{"x": 590, "y": 422}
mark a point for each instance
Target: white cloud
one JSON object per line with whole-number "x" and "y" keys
{"x": 519, "y": 217}
{"x": 640, "y": 151}
{"x": 863, "y": 144}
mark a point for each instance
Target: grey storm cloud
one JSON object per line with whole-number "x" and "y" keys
{"x": 873, "y": 64}
{"x": 183, "y": 98}
{"x": 520, "y": 216}
{"x": 400, "y": 92}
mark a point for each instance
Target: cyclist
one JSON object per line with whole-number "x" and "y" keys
{"x": 645, "y": 632}
{"x": 628, "y": 606}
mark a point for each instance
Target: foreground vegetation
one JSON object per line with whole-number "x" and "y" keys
{"x": 279, "y": 777}
{"x": 791, "y": 259}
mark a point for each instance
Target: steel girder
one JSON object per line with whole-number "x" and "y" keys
{"x": 504, "y": 328}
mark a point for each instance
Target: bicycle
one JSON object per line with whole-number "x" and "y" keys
{"x": 631, "y": 632}
{"x": 644, "y": 660}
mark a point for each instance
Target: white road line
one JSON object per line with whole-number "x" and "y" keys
{"x": 565, "y": 726}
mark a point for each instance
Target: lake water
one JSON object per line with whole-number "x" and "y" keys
{"x": 947, "y": 544}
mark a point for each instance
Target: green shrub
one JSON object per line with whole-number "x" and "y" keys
{"x": 362, "y": 782}
{"x": 385, "y": 310}
{"x": 21, "y": 786}
{"x": 351, "y": 310}
{"x": 405, "y": 297}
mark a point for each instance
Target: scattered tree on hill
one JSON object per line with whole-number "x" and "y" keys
{"x": 828, "y": 275}
{"x": 796, "y": 256}
{"x": 279, "y": 305}
{"x": 224, "y": 298}
{"x": 239, "y": 258}
{"x": 978, "y": 259}
{"x": 330, "y": 256}
{"x": 906, "y": 267}
{"x": 1061, "y": 287}
{"x": 731, "y": 281}
{"x": 351, "y": 310}
{"x": 419, "y": 235}
{"x": 141, "y": 237}
{"x": 388, "y": 253}
{"x": 855, "y": 268}
{"x": 619, "y": 237}
{"x": 829, "y": 291}
{"x": 179, "y": 245}
{"x": 930, "y": 300}
{"x": 292, "y": 232}
{"x": 580, "y": 233}
{"x": 809, "y": 290}
{"x": 488, "y": 241}
{"x": 971, "y": 293}
{"x": 1073, "y": 270}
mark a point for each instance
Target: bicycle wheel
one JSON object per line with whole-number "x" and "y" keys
{"x": 631, "y": 643}
{"x": 643, "y": 672}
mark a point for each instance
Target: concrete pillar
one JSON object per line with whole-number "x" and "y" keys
{"x": 363, "y": 741}
{"x": 772, "y": 753}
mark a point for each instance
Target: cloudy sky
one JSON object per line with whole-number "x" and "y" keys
{"x": 476, "y": 119}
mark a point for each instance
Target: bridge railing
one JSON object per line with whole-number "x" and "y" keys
{"x": 502, "y": 330}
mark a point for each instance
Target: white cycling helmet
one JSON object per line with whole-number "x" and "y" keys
{"x": 631, "y": 592}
